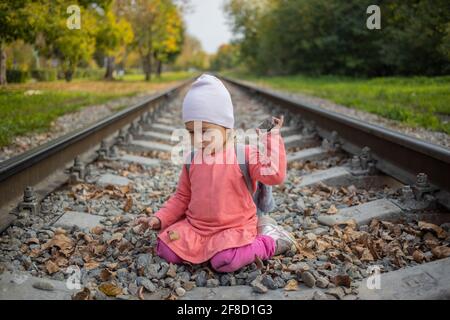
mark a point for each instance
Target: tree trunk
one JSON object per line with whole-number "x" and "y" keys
{"x": 2, "y": 64}
{"x": 68, "y": 74}
{"x": 109, "y": 68}
{"x": 147, "y": 62}
{"x": 159, "y": 69}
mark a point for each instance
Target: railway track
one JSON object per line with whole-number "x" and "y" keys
{"x": 368, "y": 207}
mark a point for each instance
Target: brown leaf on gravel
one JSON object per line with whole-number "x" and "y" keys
{"x": 441, "y": 252}
{"x": 32, "y": 241}
{"x": 91, "y": 265}
{"x": 115, "y": 237}
{"x": 418, "y": 256}
{"x": 332, "y": 209}
{"x": 97, "y": 230}
{"x": 425, "y": 226}
{"x": 292, "y": 285}
{"x": 64, "y": 243}
{"x": 51, "y": 267}
{"x": 128, "y": 204}
{"x": 84, "y": 294}
{"x": 258, "y": 262}
{"x": 366, "y": 256}
{"x": 106, "y": 275}
{"x": 111, "y": 290}
{"x": 141, "y": 293}
{"x": 342, "y": 280}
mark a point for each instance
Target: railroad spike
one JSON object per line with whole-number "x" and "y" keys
{"x": 422, "y": 187}
{"x": 29, "y": 202}
{"x": 45, "y": 207}
{"x": 77, "y": 171}
{"x": 102, "y": 152}
{"x": 112, "y": 152}
{"x": 134, "y": 129}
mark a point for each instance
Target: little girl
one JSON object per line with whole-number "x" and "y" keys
{"x": 212, "y": 215}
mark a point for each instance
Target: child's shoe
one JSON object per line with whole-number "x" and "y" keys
{"x": 283, "y": 239}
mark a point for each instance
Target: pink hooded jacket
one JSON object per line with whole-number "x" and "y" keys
{"x": 212, "y": 209}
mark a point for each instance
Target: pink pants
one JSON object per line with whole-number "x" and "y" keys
{"x": 228, "y": 260}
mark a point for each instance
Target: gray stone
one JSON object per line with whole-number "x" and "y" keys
{"x": 211, "y": 283}
{"x": 268, "y": 282}
{"x": 322, "y": 282}
{"x": 142, "y": 145}
{"x": 258, "y": 287}
{"x": 146, "y": 283}
{"x": 332, "y": 176}
{"x": 22, "y": 286}
{"x": 363, "y": 213}
{"x": 111, "y": 179}
{"x": 180, "y": 292}
{"x": 158, "y": 136}
{"x": 79, "y": 219}
{"x": 308, "y": 154}
{"x": 200, "y": 280}
{"x": 429, "y": 281}
{"x": 140, "y": 160}
{"x": 308, "y": 279}
{"x": 319, "y": 295}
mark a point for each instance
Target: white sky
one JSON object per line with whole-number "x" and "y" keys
{"x": 207, "y": 23}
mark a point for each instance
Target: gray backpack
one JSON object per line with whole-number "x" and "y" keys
{"x": 263, "y": 197}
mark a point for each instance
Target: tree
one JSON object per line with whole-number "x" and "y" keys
{"x": 113, "y": 35}
{"x": 192, "y": 55}
{"x": 227, "y": 57}
{"x": 16, "y": 21}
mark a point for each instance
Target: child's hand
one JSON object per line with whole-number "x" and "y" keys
{"x": 152, "y": 223}
{"x": 278, "y": 122}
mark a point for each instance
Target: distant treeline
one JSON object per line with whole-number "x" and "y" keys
{"x": 331, "y": 37}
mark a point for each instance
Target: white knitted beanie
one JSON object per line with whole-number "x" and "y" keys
{"x": 208, "y": 100}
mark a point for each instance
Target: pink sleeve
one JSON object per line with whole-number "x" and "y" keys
{"x": 175, "y": 208}
{"x": 268, "y": 167}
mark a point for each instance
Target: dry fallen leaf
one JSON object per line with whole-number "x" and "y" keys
{"x": 51, "y": 267}
{"x": 440, "y": 233}
{"x": 141, "y": 293}
{"x": 128, "y": 204}
{"x": 342, "y": 280}
{"x": 292, "y": 285}
{"x": 332, "y": 209}
{"x": 85, "y": 294}
{"x": 441, "y": 252}
{"x": 91, "y": 265}
{"x": 61, "y": 241}
{"x": 418, "y": 256}
{"x": 110, "y": 289}
{"x": 115, "y": 237}
{"x": 106, "y": 275}
{"x": 173, "y": 235}
{"x": 97, "y": 230}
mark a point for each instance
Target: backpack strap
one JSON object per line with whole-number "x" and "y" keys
{"x": 188, "y": 165}
{"x": 243, "y": 165}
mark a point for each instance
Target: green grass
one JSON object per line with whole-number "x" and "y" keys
{"x": 21, "y": 113}
{"x": 415, "y": 101}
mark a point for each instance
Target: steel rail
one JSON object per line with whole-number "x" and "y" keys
{"x": 41, "y": 163}
{"x": 397, "y": 155}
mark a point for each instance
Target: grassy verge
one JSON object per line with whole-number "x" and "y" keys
{"x": 415, "y": 101}
{"x": 22, "y": 112}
